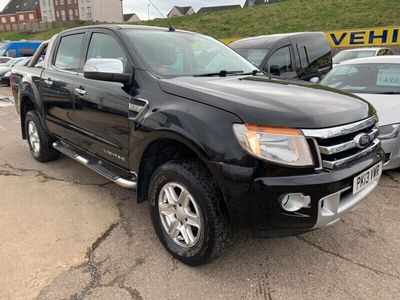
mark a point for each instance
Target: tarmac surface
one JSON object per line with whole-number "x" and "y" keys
{"x": 67, "y": 233}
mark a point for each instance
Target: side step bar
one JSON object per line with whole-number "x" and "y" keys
{"x": 95, "y": 166}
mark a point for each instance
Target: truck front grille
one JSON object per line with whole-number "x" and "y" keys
{"x": 337, "y": 147}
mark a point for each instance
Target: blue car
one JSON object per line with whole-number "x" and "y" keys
{"x": 19, "y": 49}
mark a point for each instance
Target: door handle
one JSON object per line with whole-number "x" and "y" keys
{"x": 80, "y": 91}
{"x": 48, "y": 82}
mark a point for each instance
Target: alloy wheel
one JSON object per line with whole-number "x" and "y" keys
{"x": 33, "y": 137}
{"x": 180, "y": 215}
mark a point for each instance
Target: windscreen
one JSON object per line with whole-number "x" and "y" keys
{"x": 346, "y": 55}
{"x": 255, "y": 56}
{"x": 10, "y": 63}
{"x": 365, "y": 78}
{"x": 185, "y": 54}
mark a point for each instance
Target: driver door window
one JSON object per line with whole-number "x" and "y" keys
{"x": 282, "y": 59}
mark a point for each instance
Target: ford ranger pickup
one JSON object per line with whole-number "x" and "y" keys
{"x": 200, "y": 133}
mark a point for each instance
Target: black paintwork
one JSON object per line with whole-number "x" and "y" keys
{"x": 196, "y": 112}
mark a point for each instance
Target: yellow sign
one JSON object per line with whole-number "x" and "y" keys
{"x": 230, "y": 40}
{"x": 382, "y": 36}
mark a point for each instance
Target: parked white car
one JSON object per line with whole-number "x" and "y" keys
{"x": 359, "y": 53}
{"x": 377, "y": 80}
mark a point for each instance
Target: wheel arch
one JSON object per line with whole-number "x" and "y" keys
{"x": 163, "y": 148}
{"x": 26, "y": 105}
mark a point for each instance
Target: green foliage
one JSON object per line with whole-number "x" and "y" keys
{"x": 291, "y": 16}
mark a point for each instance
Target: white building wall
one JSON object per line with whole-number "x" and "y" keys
{"x": 101, "y": 10}
{"x": 47, "y": 10}
{"x": 134, "y": 18}
{"x": 174, "y": 13}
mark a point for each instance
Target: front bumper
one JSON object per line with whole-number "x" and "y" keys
{"x": 330, "y": 193}
{"x": 392, "y": 150}
{"x": 332, "y": 207}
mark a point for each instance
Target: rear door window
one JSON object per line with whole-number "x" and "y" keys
{"x": 303, "y": 56}
{"x": 68, "y": 53}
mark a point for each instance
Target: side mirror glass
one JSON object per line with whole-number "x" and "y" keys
{"x": 106, "y": 69}
{"x": 315, "y": 80}
{"x": 275, "y": 70}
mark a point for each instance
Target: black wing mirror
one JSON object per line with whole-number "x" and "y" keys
{"x": 106, "y": 69}
{"x": 275, "y": 70}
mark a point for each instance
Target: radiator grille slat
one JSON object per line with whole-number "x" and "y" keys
{"x": 339, "y": 146}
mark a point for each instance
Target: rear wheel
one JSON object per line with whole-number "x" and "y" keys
{"x": 187, "y": 212}
{"x": 39, "y": 141}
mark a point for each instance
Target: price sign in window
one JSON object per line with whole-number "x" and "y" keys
{"x": 389, "y": 77}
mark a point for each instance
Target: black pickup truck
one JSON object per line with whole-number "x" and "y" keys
{"x": 196, "y": 130}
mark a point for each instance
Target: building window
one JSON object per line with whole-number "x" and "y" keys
{"x": 31, "y": 17}
{"x": 89, "y": 12}
{"x": 12, "y": 19}
{"x": 71, "y": 14}
{"x": 45, "y": 19}
{"x": 3, "y": 20}
{"x": 63, "y": 15}
{"x": 69, "y": 2}
{"x": 76, "y": 12}
{"x": 57, "y": 14}
{"x": 62, "y": 2}
{"x": 21, "y": 17}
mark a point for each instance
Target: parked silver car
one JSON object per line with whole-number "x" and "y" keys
{"x": 348, "y": 54}
{"x": 377, "y": 80}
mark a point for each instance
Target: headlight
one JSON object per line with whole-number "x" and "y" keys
{"x": 8, "y": 74}
{"x": 280, "y": 145}
{"x": 389, "y": 132}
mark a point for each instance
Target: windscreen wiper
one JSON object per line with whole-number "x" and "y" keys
{"x": 390, "y": 93}
{"x": 254, "y": 73}
{"x": 222, "y": 73}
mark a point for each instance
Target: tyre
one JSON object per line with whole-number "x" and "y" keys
{"x": 39, "y": 141}
{"x": 188, "y": 212}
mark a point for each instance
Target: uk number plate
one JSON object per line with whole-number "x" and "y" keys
{"x": 362, "y": 180}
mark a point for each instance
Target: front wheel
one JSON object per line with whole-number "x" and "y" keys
{"x": 188, "y": 213}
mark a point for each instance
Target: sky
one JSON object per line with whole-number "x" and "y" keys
{"x": 140, "y": 6}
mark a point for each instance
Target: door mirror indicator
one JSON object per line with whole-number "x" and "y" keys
{"x": 106, "y": 69}
{"x": 315, "y": 80}
{"x": 275, "y": 70}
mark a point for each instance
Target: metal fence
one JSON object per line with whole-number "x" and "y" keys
{"x": 27, "y": 27}
{"x": 38, "y": 26}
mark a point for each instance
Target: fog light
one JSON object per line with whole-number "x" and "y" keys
{"x": 294, "y": 202}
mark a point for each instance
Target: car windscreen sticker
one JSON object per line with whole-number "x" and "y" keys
{"x": 388, "y": 77}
